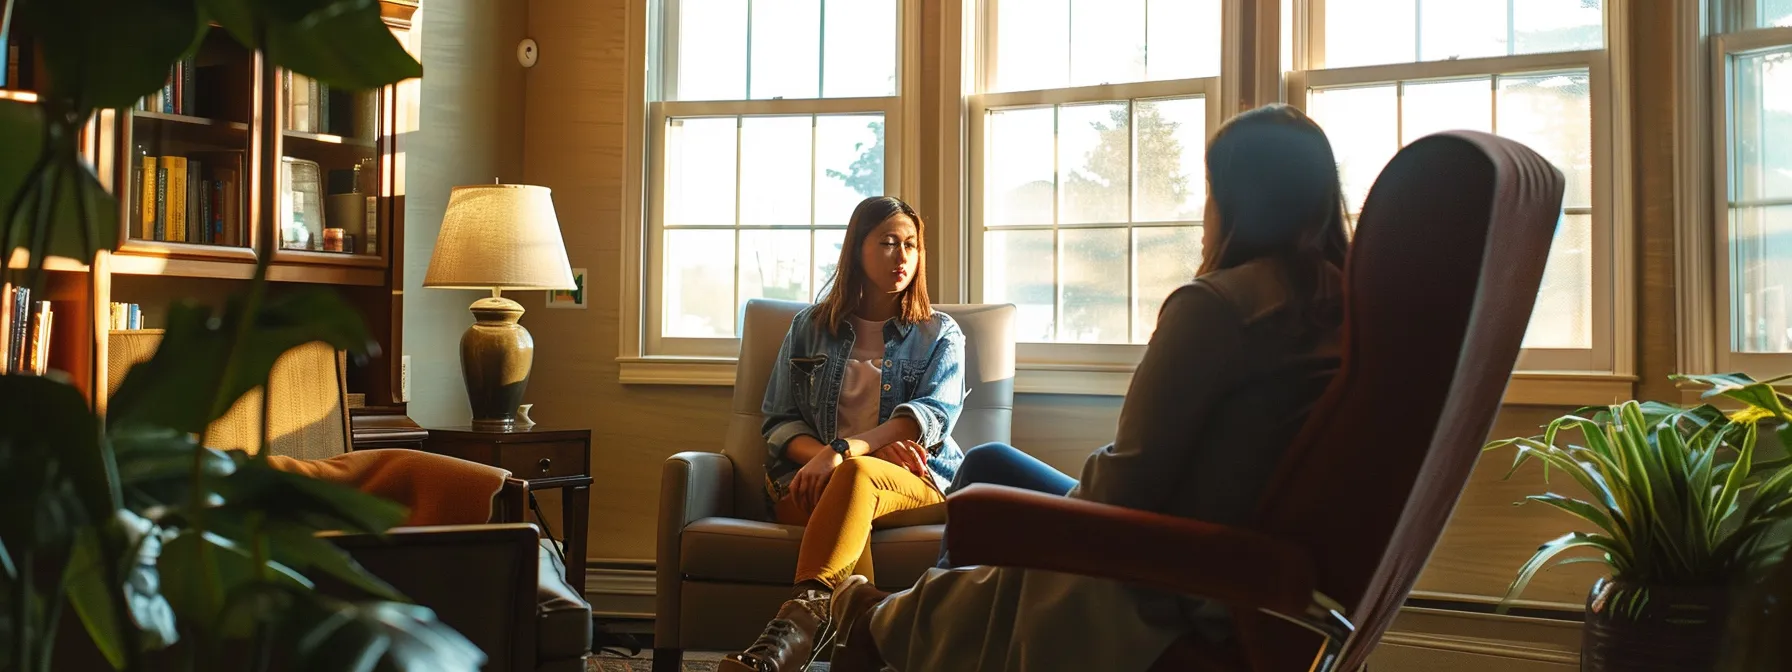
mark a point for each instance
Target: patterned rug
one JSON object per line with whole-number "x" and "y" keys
{"x": 693, "y": 662}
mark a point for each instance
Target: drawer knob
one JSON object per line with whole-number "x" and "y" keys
{"x": 545, "y": 464}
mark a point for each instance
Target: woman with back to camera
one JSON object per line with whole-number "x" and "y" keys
{"x": 859, "y": 412}
{"x": 1238, "y": 359}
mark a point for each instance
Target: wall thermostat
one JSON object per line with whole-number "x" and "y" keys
{"x": 527, "y": 52}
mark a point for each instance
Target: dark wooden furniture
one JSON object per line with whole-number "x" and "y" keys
{"x": 384, "y": 427}
{"x": 547, "y": 458}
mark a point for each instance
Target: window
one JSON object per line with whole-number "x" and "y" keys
{"x": 773, "y": 119}
{"x": 1753, "y": 145}
{"x": 1379, "y": 74}
{"x": 1086, "y": 181}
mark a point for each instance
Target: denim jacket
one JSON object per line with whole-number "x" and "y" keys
{"x": 925, "y": 383}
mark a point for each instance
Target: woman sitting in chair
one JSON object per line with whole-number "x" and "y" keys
{"x": 858, "y": 419}
{"x": 1238, "y": 359}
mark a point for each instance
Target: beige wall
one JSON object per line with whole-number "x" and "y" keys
{"x": 573, "y": 136}
{"x": 470, "y": 131}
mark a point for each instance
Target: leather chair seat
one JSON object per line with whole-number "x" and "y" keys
{"x": 750, "y": 551}
{"x": 564, "y": 628}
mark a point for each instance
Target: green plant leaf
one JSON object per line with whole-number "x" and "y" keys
{"x": 70, "y": 236}
{"x": 346, "y": 46}
{"x": 201, "y": 570}
{"x": 1550, "y": 550}
{"x": 1581, "y": 510}
{"x": 86, "y": 586}
{"x": 111, "y": 63}
{"x": 49, "y": 440}
{"x": 241, "y": 17}
{"x": 301, "y": 548}
{"x": 191, "y": 362}
{"x": 336, "y": 635}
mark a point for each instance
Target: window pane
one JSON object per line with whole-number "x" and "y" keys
{"x": 1094, "y": 147}
{"x": 774, "y": 170}
{"x": 827, "y": 257}
{"x": 1032, "y": 45}
{"x": 1172, "y": 180}
{"x": 1770, "y": 13}
{"x": 699, "y": 294}
{"x": 1761, "y": 127}
{"x": 786, "y": 58}
{"x": 1541, "y": 26}
{"x": 1363, "y": 126}
{"x": 1367, "y": 32}
{"x": 712, "y": 48}
{"x": 1017, "y": 269}
{"x": 1373, "y": 32}
{"x": 1164, "y": 258}
{"x": 774, "y": 265}
{"x": 1761, "y": 275}
{"x": 700, "y": 171}
{"x": 849, "y": 164}
{"x": 1182, "y": 39}
{"x": 1017, "y": 171}
{"x": 1094, "y": 292}
{"x": 1107, "y": 41}
{"x": 1431, "y": 107}
{"x": 1452, "y": 29}
{"x": 1553, "y": 115}
{"x": 859, "y": 48}
{"x": 1563, "y": 316}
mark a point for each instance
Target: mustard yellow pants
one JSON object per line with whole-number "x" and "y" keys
{"x": 836, "y": 534}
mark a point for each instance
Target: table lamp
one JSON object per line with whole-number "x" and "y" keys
{"x": 498, "y": 237}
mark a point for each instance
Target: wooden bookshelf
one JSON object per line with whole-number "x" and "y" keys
{"x": 233, "y": 114}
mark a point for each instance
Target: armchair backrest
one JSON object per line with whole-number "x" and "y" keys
{"x": 985, "y": 417}
{"x": 1440, "y": 283}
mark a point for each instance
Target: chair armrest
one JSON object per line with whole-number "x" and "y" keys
{"x": 695, "y": 485}
{"x": 997, "y": 525}
{"x": 511, "y": 504}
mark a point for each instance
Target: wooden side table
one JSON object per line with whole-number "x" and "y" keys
{"x": 545, "y": 456}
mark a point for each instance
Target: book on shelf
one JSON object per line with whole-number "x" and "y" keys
{"x": 126, "y": 316}
{"x": 180, "y": 93}
{"x": 25, "y": 328}
{"x": 189, "y": 199}
{"x": 314, "y": 107}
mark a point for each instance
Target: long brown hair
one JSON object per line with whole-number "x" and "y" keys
{"x": 1274, "y": 181}
{"x": 848, "y": 281}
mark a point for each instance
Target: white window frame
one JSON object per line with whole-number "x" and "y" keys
{"x": 1607, "y": 368}
{"x": 1734, "y": 36}
{"x": 1071, "y": 368}
{"x": 645, "y": 354}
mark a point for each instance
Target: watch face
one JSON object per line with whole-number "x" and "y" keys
{"x": 840, "y": 446}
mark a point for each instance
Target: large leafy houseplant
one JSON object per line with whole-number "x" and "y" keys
{"x": 1679, "y": 509}
{"x": 169, "y": 553}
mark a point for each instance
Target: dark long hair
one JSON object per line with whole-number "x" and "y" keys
{"x": 848, "y": 282}
{"x": 1274, "y": 181}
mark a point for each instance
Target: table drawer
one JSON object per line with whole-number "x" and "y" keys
{"x": 543, "y": 460}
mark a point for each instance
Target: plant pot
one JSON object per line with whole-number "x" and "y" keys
{"x": 1639, "y": 628}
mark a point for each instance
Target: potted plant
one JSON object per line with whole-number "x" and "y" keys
{"x": 1678, "y": 511}
{"x": 170, "y": 554}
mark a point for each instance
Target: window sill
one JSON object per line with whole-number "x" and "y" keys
{"x": 1525, "y": 389}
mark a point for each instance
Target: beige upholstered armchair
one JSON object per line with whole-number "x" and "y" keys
{"x": 722, "y": 568}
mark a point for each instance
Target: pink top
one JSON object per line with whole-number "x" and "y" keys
{"x": 860, "y": 387}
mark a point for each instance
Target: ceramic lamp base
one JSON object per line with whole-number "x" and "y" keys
{"x": 496, "y": 355}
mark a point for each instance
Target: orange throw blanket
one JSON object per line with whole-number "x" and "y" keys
{"x": 438, "y": 489}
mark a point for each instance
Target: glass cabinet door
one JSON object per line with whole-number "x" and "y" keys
{"x": 328, "y": 185}
{"x": 189, "y": 160}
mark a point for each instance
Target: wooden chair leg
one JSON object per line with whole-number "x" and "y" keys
{"x": 668, "y": 660}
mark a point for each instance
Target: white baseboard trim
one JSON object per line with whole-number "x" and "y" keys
{"x": 620, "y": 592}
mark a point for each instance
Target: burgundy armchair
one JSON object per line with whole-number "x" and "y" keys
{"x": 1440, "y": 283}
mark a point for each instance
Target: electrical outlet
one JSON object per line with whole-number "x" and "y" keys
{"x": 404, "y": 379}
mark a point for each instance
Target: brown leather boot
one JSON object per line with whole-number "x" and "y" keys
{"x": 788, "y": 642}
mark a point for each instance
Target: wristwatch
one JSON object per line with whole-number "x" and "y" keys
{"x": 840, "y": 446}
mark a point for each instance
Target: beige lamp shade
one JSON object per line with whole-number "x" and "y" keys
{"x": 500, "y": 236}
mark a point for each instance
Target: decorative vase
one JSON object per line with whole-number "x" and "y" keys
{"x": 1642, "y": 628}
